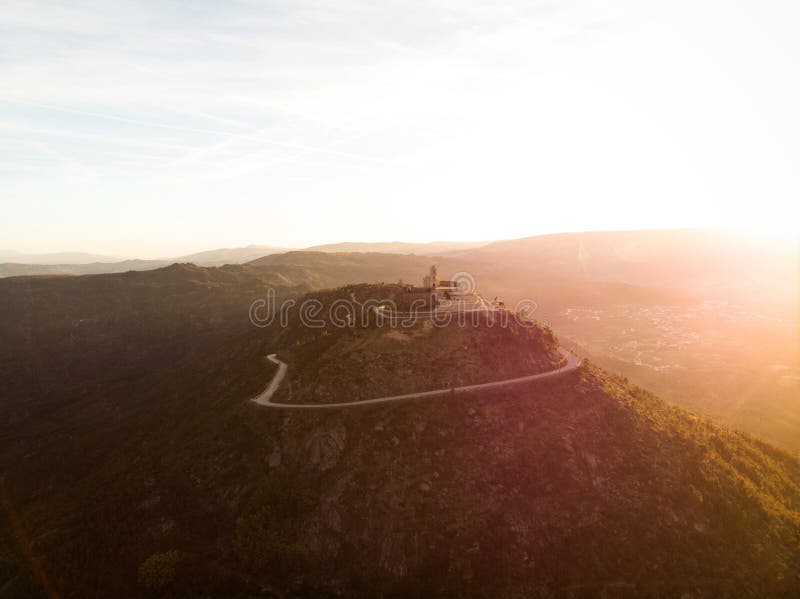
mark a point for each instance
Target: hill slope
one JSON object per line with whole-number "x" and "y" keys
{"x": 708, "y": 319}
{"x": 222, "y": 256}
{"x": 586, "y": 485}
{"x": 713, "y": 263}
{"x": 576, "y": 486}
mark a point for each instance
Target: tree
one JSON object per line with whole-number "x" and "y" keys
{"x": 158, "y": 570}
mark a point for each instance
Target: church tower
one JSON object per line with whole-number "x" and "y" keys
{"x": 431, "y": 280}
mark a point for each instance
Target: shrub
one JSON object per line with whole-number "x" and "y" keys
{"x": 158, "y": 570}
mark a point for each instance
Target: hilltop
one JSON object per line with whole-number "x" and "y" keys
{"x": 375, "y": 357}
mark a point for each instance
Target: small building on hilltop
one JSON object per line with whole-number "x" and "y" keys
{"x": 431, "y": 280}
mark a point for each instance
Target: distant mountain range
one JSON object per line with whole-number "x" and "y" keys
{"x": 230, "y": 255}
{"x": 14, "y": 264}
{"x": 434, "y": 248}
{"x": 705, "y": 260}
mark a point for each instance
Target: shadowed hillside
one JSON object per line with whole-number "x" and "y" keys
{"x": 574, "y": 486}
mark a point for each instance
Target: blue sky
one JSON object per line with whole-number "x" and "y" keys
{"x": 155, "y": 129}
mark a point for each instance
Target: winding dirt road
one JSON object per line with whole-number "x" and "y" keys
{"x": 265, "y": 398}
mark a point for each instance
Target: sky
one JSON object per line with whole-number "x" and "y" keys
{"x": 155, "y": 129}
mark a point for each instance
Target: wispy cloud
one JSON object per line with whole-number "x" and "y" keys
{"x": 328, "y": 107}
{"x": 16, "y": 128}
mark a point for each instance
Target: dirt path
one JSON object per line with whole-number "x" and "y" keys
{"x": 265, "y": 398}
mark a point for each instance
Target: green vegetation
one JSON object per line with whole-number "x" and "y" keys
{"x": 266, "y": 537}
{"x": 158, "y": 571}
{"x": 132, "y": 436}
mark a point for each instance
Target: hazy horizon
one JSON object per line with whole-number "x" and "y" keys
{"x": 151, "y": 130}
{"x": 764, "y": 238}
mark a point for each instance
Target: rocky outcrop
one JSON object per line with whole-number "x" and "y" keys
{"x": 325, "y": 445}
